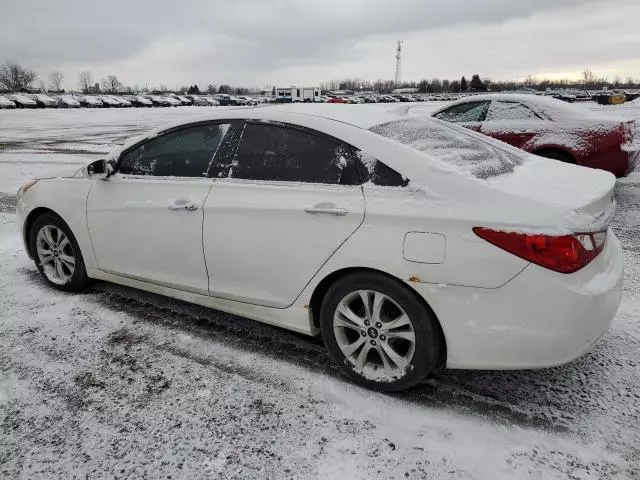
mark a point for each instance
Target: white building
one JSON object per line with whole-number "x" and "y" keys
{"x": 299, "y": 94}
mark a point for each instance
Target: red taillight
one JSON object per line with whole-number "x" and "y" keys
{"x": 564, "y": 253}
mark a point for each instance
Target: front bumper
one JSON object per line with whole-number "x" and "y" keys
{"x": 538, "y": 319}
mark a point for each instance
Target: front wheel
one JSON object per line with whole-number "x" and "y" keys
{"x": 379, "y": 333}
{"x": 56, "y": 254}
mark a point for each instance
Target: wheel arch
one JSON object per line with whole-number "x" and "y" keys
{"x": 28, "y": 225}
{"x": 323, "y": 286}
{"x": 565, "y": 152}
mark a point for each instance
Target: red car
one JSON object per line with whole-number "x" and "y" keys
{"x": 550, "y": 128}
{"x": 337, "y": 100}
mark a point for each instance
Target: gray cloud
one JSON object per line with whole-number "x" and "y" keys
{"x": 254, "y": 41}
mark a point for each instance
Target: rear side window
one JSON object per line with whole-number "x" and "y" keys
{"x": 465, "y": 112}
{"x": 510, "y": 111}
{"x": 373, "y": 170}
{"x": 182, "y": 153}
{"x": 276, "y": 153}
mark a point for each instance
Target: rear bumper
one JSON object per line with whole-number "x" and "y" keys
{"x": 539, "y": 319}
{"x": 634, "y": 159}
{"x": 615, "y": 160}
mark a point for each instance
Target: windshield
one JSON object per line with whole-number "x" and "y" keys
{"x": 456, "y": 146}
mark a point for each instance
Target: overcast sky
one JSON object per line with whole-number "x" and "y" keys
{"x": 287, "y": 42}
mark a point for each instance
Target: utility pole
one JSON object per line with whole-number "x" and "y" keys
{"x": 398, "y": 63}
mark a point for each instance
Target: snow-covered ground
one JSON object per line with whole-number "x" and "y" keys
{"x": 117, "y": 383}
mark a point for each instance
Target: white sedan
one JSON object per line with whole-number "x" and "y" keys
{"x": 410, "y": 244}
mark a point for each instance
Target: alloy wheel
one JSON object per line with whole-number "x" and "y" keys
{"x": 56, "y": 254}
{"x": 375, "y": 335}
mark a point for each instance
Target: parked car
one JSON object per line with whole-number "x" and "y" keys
{"x": 123, "y": 101}
{"x": 199, "y": 101}
{"x": 22, "y": 101}
{"x": 89, "y": 101}
{"x": 109, "y": 101}
{"x": 159, "y": 101}
{"x": 247, "y": 100}
{"x": 184, "y": 100}
{"x": 173, "y": 102}
{"x": 226, "y": 99}
{"x": 44, "y": 101}
{"x": 551, "y": 129}
{"x": 468, "y": 255}
{"x": 138, "y": 101}
{"x": 212, "y": 102}
{"x": 607, "y": 97}
{"x": 68, "y": 101}
{"x": 6, "y": 103}
{"x": 337, "y": 100}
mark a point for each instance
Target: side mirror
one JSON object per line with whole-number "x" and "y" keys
{"x": 99, "y": 169}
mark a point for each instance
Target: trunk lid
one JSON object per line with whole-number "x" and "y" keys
{"x": 586, "y": 196}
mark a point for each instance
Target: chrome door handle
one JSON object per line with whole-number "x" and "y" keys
{"x": 190, "y": 207}
{"x": 337, "y": 211}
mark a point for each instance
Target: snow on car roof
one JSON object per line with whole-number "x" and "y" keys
{"x": 551, "y": 107}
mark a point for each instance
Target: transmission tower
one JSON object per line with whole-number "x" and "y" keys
{"x": 398, "y": 62}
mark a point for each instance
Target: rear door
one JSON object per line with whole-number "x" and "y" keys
{"x": 511, "y": 122}
{"x": 145, "y": 221}
{"x": 469, "y": 114}
{"x": 282, "y": 203}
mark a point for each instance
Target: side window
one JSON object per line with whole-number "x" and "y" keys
{"x": 465, "y": 112}
{"x": 372, "y": 170}
{"x": 183, "y": 153}
{"x": 510, "y": 111}
{"x": 269, "y": 152}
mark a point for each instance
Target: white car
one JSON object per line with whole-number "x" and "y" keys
{"x": 123, "y": 101}
{"x": 89, "y": 101}
{"x": 6, "y": 103}
{"x": 184, "y": 100}
{"x": 110, "y": 101}
{"x": 200, "y": 101}
{"x": 410, "y": 244}
{"x": 22, "y": 101}
{"x": 173, "y": 102}
{"x": 67, "y": 101}
{"x": 211, "y": 101}
{"x": 45, "y": 101}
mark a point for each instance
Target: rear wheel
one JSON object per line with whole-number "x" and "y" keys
{"x": 556, "y": 155}
{"x": 56, "y": 253}
{"x": 378, "y": 332}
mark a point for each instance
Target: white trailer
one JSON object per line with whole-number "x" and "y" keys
{"x": 299, "y": 94}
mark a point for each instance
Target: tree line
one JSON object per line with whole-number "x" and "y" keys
{"x": 15, "y": 78}
{"x": 587, "y": 81}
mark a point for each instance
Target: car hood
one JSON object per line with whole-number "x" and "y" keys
{"x": 66, "y": 173}
{"x": 585, "y": 195}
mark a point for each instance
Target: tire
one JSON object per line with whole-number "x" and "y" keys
{"x": 417, "y": 361}
{"x": 74, "y": 280}
{"x": 556, "y": 155}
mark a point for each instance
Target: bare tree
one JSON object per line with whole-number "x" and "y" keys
{"x": 588, "y": 78}
{"x": 16, "y": 78}
{"x": 85, "y": 81}
{"x": 111, "y": 84}
{"x": 55, "y": 81}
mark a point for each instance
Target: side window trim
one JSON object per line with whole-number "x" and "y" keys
{"x": 144, "y": 141}
{"x": 223, "y": 154}
{"x": 241, "y": 126}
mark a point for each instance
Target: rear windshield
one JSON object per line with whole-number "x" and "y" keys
{"x": 469, "y": 151}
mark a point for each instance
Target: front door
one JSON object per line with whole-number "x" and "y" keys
{"x": 512, "y": 123}
{"x": 285, "y": 202}
{"x": 145, "y": 221}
